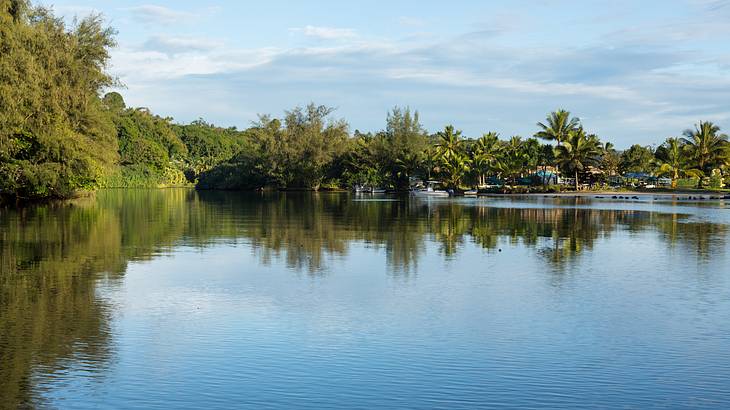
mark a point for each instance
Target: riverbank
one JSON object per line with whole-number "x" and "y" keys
{"x": 627, "y": 195}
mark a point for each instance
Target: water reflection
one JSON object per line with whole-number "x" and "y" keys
{"x": 49, "y": 311}
{"x": 52, "y": 256}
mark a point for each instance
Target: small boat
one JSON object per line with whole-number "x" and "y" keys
{"x": 429, "y": 192}
{"x": 378, "y": 191}
{"x": 471, "y": 192}
{"x": 426, "y": 193}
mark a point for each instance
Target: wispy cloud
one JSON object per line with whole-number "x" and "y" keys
{"x": 325, "y": 33}
{"x": 635, "y": 84}
{"x": 150, "y": 13}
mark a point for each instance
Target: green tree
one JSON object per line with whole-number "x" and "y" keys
{"x": 513, "y": 159}
{"x": 311, "y": 142}
{"x": 672, "y": 160}
{"x": 546, "y": 158}
{"x": 209, "y": 145}
{"x": 403, "y": 142}
{"x": 558, "y": 126}
{"x": 706, "y": 147}
{"x": 531, "y": 148}
{"x": 453, "y": 161}
{"x": 55, "y": 136}
{"x": 450, "y": 144}
{"x": 638, "y": 159}
{"x": 577, "y": 153}
{"x": 610, "y": 160}
{"x": 485, "y": 153}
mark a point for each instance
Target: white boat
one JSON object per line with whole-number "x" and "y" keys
{"x": 471, "y": 192}
{"x": 377, "y": 191}
{"x": 429, "y": 192}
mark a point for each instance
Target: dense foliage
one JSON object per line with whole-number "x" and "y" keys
{"x": 58, "y": 136}
{"x": 54, "y": 135}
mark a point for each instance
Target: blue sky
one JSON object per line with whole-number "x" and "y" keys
{"x": 633, "y": 71}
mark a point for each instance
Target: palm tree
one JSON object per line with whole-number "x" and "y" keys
{"x": 705, "y": 146}
{"x": 531, "y": 148}
{"x": 672, "y": 160}
{"x": 454, "y": 169}
{"x": 430, "y": 161}
{"x": 546, "y": 158}
{"x": 578, "y": 152}
{"x": 484, "y": 154}
{"x": 512, "y": 159}
{"x": 559, "y": 125}
{"x": 449, "y": 143}
{"x": 452, "y": 159}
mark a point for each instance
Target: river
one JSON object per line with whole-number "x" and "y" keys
{"x": 183, "y": 299}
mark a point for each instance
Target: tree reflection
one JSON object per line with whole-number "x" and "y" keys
{"x": 53, "y": 255}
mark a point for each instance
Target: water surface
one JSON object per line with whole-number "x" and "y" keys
{"x": 172, "y": 298}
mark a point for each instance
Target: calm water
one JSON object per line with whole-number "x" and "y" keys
{"x": 172, "y": 298}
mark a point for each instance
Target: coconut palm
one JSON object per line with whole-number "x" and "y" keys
{"x": 706, "y": 146}
{"x": 450, "y": 144}
{"x": 512, "y": 160}
{"x": 454, "y": 169}
{"x": 430, "y": 161}
{"x": 610, "y": 159}
{"x": 578, "y": 152}
{"x": 484, "y": 154}
{"x": 531, "y": 148}
{"x": 672, "y": 160}
{"x": 559, "y": 125}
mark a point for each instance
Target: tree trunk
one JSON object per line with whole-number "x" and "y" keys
{"x": 576, "y": 180}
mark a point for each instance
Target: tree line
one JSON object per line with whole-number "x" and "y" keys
{"x": 308, "y": 151}
{"x": 60, "y": 134}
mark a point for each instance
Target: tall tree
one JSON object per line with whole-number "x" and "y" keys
{"x": 610, "y": 159}
{"x": 706, "y": 146}
{"x": 577, "y": 153}
{"x": 557, "y": 126}
{"x": 513, "y": 160}
{"x": 311, "y": 142}
{"x": 672, "y": 160}
{"x": 450, "y": 144}
{"x": 638, "y": 159}
{"x": 453, "y": 161}
{"x": 403, "y": 141}
{"x": 55, "y": 137}
{"x": 485, "y": 152}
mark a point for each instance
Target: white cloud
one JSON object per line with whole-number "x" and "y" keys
{"x": 630, "y": 88}
{"x": 135, "y": 65}
{"x": 459, "y": 78}
{"x": 150, "y": 13}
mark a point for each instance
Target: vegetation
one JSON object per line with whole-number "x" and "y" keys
{"x": 578, "y": 152}
{"x": 54, "y": 135}
{"x": 59, "y": 136}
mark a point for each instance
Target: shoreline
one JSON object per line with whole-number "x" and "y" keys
{"x": 624, "y": 195}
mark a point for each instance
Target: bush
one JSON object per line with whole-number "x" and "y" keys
{"x": 686, "y": 183}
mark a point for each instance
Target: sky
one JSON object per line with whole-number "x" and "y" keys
{"x": 633, "y": 71}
